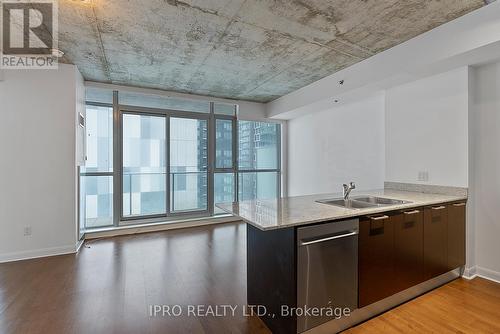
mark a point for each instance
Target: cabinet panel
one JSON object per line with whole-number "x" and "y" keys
{"x": 456, "y": 235}
{"x": 435, "y": 241}
{"x": 376, "y": 258}
{"x": 409, "y": 249}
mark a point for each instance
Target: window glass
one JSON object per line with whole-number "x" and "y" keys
{"x": 99, "y": 146}
{"x": 223, "y": 143}
{"x": 225, "y": 109}
{"x": 257, "y": 185}
{"x": 98, "y": 95}
{"x": 188, "y": 164}
{"x": 144, "y": 165}
{"x": 96, "y": 207}
{"x": 258, "y": 145}
{"x": 223, "y": 189}
{"x": 162, "y": 102}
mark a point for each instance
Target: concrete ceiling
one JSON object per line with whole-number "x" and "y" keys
{"x": 255, "y": 50}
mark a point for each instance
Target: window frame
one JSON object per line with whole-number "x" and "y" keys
{"x": 211, "y": 117}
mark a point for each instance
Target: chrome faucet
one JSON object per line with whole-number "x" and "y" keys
{"x": 346, "y": 190}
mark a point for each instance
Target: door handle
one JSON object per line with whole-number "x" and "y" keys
{"x": 414, "y": 212}
{"x": 306, "y": 243}
{"x": 459, "y": 204}
{"x": 438, "y": 207}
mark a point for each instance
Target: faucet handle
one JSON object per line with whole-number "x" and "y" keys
{"x": 353, "y": 185}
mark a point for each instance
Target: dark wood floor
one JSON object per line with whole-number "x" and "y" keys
{"x": 109, "y": 285}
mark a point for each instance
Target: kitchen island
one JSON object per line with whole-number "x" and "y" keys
{"x": 354, "y": 263}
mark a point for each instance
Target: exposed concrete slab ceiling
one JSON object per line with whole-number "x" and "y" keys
{"x": 255, "y": 50}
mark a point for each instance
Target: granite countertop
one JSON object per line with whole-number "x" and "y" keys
{"x": 302, "y": 210}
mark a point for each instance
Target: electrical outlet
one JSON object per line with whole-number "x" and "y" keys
{"x": 423, "y": 176}
{"x": 27, "y": 231}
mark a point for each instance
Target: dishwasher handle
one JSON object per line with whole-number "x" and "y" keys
{"x": 316, "y": 241}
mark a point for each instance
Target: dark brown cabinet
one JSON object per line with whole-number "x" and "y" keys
{"x": 398, "y": 250}
{"x": 456, "y": 235}
{"x": 408, "y": 249}
{"x": 435, "y": 241}
{"x": 376, "y": 258}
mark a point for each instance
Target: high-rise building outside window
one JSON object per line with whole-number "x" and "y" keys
{"x": 155, "y": 158}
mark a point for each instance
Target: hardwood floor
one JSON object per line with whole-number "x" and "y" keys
{"x": 460, "y": 306}
{"x": 109, "y": 286}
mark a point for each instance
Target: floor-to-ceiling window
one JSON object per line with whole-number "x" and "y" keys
{"x": 258, "y": 160}
{"x": 96, "y": 180}
{"x": 225, "y": 134}
{"x": 153, "y": 157}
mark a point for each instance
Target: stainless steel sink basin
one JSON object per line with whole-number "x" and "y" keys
{"x": 379, "y": 200}
{"x": 361, "y": 202}
{"x": 350, "y": 204}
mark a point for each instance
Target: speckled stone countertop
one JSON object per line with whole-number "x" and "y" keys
{"x": 303, "y": 210}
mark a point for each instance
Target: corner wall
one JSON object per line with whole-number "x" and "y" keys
{"x": 332, "y": 147}
{"x": 485, "y": 170}
{"x": 37, "y": 169}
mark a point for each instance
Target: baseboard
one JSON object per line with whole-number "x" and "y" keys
{"x": 79, "y": 244}
{"x": 470, "y": 273}
{"x": 488, "y": 274}
{"x": 37, "y": 253}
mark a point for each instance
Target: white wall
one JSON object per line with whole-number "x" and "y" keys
{"x": 427, "y": 130}
{"x": 37, "y": 167}
{"x": 332, "y": 147}
{"x": 485, "y": 168}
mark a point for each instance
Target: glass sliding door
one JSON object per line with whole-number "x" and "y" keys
{"x": 144, "y": 165}
{"x": 188, "y": 164}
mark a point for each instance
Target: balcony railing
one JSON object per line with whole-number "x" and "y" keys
{"x": 188, "y": 199}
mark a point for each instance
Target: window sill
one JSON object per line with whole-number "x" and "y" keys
{"x": 145, "y": 227}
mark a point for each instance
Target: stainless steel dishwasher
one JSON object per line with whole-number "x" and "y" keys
{"x": 327, "y": 270}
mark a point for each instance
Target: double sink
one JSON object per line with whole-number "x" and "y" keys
{"x": 362, "y": 202}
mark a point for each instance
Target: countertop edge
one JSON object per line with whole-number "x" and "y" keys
{"x": 355, "y": 213}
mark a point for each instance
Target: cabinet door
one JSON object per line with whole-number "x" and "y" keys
{"x": 456, "y": 235}
{"x": 435, "y": 241}
{"x": 376, "y": 262}
{"x": 409, "y": 249}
